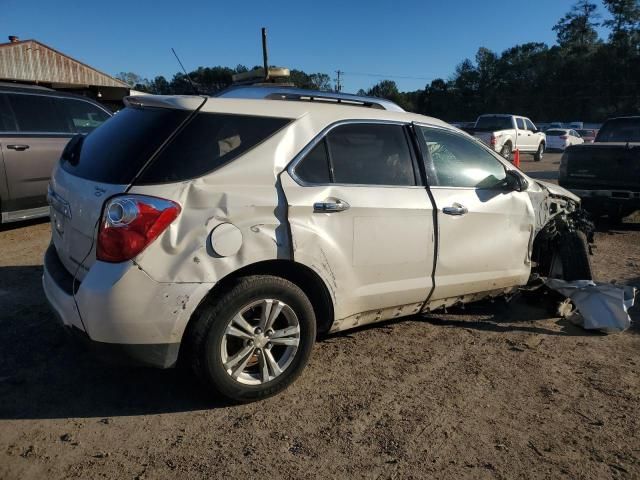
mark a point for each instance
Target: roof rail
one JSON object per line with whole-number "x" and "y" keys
{"x": 300, "y": 94}
{"x": 24, "y": 86}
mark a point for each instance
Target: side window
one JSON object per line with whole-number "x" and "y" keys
{"x": 520, "y": 123}
{"x": 83, "y": 116}
{"x": 208, "y": 142}
{"x": 37, "y": 113}
{"x": 530, "y": 125}
{"x": 370, "y": 154}
{"x": 7, "y": 120}
{"x": 460, "y": 162}
{"x": 314, "y": 167}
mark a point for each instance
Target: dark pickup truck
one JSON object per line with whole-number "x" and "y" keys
{"x": 606, "y": 174}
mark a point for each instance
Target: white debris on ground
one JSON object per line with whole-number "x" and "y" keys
{"x": 601, "y": 306}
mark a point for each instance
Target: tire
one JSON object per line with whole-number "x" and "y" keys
{"x": 217, "y": 340}
{"x": 574, "y": 256}
{"x": 506, "y": 151}
{"x": 539, "y": 153}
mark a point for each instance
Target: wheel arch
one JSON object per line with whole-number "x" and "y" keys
{"x": 301, "y": 275}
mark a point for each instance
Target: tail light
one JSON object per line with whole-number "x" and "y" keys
{"x": 564, "y": 137}
{"x": 130, "y": 223}
{"x": 492, "y": 140}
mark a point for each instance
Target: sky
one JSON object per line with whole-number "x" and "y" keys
{"x": 409, "y": 42}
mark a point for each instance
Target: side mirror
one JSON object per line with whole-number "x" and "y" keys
{"x": 515, "y": 182}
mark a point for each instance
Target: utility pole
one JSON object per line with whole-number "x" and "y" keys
{"x": 338, "y": 82}
{"x": 265, "y": 54}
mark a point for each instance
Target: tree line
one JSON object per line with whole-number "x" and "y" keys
{"x": 583, "y": 77}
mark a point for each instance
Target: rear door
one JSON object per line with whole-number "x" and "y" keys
{"x": 484, "y": 229}
{"x": 360, "y": 215}
{"x": 32, "y": 149}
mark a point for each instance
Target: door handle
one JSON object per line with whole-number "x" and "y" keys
{"x": 330, "y": 206}
{"x": 455, "y": 209}
{"x": 18, "y": 148}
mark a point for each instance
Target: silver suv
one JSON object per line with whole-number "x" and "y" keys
{"x": 230, "y": 231}
{"x": 35, "y": 125}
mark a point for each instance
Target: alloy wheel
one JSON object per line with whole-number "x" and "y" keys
{"x": 260, "y": 341}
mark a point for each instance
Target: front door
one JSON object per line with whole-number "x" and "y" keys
{"x": 32, "y": 149}
{"x": 525, "y": 136}
{"x": 533, "y": 136}
{"x": 484, "y": 228}
{"x": 360, "y": 216}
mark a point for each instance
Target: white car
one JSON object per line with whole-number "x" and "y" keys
{"x": 561, "y": 138}
{"x": 508, "y": 133}
{"x": 230, "y": 231}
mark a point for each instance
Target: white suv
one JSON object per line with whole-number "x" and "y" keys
{"x": 230, "y": 231}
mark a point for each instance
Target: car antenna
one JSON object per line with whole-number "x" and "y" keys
{"x": 193, "y": 85}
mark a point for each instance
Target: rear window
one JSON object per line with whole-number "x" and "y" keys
{"x": 494, "y": 123}
{"x": 586, "y": 133}
{"x": 620, "y": 130}
{"x": 555, "y": 133}
{"x": 209, "y": 141}
{"x": 115, "y": 152}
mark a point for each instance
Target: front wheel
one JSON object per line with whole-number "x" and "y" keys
{"x": 574, "y": 256}
{"x": 539, "y": 154}
{"x": 254, "y": 340}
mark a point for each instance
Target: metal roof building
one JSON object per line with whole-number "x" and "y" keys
{"x": 32, "y": 62}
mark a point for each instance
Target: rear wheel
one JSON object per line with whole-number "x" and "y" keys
{"x": 254, "y": 340}
{"x": 539, "y": 154}
{"x": 506, "y": 151}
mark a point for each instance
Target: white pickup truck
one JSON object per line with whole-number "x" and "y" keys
{"x": 506, "y": 133}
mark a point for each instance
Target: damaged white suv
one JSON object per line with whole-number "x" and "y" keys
{"x": 229, "y": 231}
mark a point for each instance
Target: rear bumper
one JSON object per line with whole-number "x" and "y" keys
{"x": 622, "y": 195}
{"x": 122, "y": 313}
{"x": 556, "y": 147}
{"x": 627, "y": 199}
{"x": 162, "y": 355}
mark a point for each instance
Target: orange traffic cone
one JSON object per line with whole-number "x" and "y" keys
{"x": 516, "y": 158}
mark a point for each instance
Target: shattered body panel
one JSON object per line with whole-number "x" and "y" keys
{"x": 601, "y": 306}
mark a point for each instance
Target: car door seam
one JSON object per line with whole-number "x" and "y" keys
{"x": 424, "y": 155}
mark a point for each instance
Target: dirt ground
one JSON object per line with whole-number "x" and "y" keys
{"x": 495, "y": 391}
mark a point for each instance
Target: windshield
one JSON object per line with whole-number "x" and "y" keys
{"x": 492, "y": 123}
{"x": 620, "y": 130}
